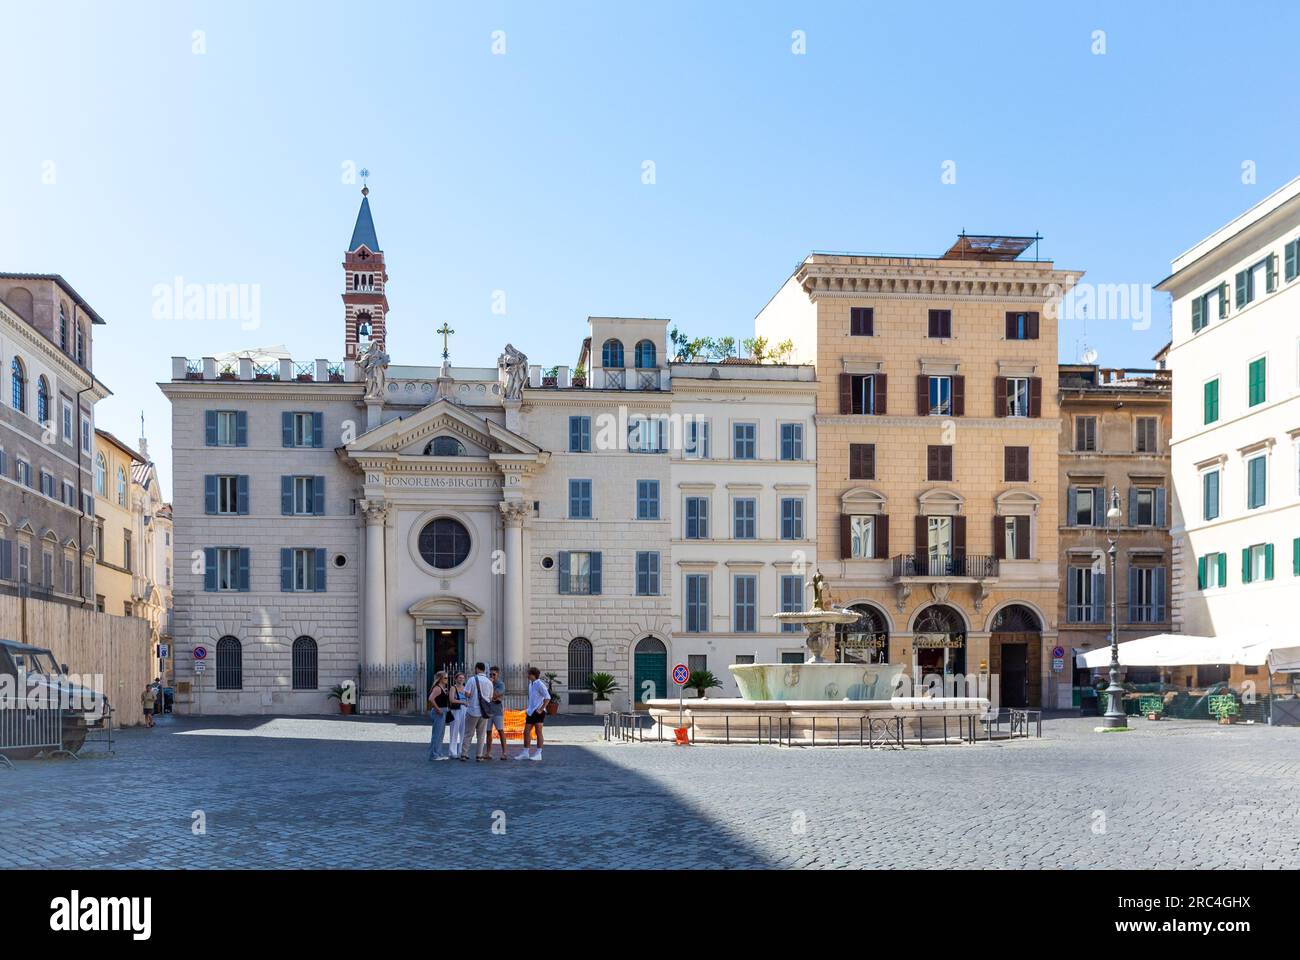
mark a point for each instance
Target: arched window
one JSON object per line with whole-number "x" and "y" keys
{"x": 579, "y": 664}
{"x": 444, "y": 543}
{"x": 230, "y": 664}
{"x": 363, "y": 326}
{"x": 304, "y": 664}
{"x": 611, "y": 354}
{"x": 63, "y": 327}
{"x": 42, "y": 400}
{"x": 1016, "y": 618}
{"x": 19, "y": 376}
{"x": 101, "y": 476}
{"x": 866, "y": 640}
{"x": 645, "y": 355}
{"x": 121, "y": 487}
{"x": 938, "y": 642}
{"x": 81, "y": 345}
{"x": 444, "y": 447}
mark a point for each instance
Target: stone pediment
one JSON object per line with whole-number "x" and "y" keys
{"x": 440, "y": 608}
{"x": 411, "y": 435}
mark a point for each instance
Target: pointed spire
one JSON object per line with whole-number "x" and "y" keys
{"x": 364, "y": 231}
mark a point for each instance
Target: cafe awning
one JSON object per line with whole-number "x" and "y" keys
{"x": 1185, "y": 650}
{"x": 1284, "y": 660}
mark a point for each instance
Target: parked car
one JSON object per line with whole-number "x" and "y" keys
{"x": 44, "y": 673}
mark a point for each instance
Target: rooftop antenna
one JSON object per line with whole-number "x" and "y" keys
{"x": 1089, "y": 355}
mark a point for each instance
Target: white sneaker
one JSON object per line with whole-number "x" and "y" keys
{"x": 536, "y": 756}
{"x": 522, "y": 756}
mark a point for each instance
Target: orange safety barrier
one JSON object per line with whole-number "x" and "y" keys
{"x": 515, "y": 725}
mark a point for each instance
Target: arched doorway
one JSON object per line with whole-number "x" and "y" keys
{"x": 1016, "y": 656}
{"x": 649, "y": 670}
{"x": 938, "y": 643}
{"x": 865, "y": 641}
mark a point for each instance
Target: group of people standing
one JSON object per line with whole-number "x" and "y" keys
{"x": 470, "y": 709}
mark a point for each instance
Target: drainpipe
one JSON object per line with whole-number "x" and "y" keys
{"x": 81, "y": 497}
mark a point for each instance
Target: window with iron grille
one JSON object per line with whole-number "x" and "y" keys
{"x": 305, "y": 657}
{"x": 697, "y": 662}
{"x": 230, "y": 664}
{"x": 580, "y": 664}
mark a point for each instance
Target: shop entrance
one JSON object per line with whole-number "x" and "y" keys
{"x": 1016, "y": 655}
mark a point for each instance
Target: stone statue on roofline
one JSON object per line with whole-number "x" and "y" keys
{"x": 374, "y": 364}
{"x": 512, "y": 366}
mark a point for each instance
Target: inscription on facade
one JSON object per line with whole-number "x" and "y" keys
{"x": 445, "y": 483}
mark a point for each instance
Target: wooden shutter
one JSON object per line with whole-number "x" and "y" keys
{"x": 880, "y": 394}
{"x": 318, "y": 496}
{"x": 244, "y": 569}
{"x": 922, "y": 396}
{"x": 320, "y": 570}
{"x": 999, "y": 538}
{"x": 286, "y": 496}
{"x": 862, "y": 461}
{"x": 286, "y": 569}
{"x": 241, "y": 494}
{"x": 1022, "y": 538}
{"x": 958, "y": 396}
{"x": 563, "y": 566}
{"x": 1270, "y": 273}
{"x": 1035, "y": 396}
{"x": 1201, "y": 567}
{"x": 1242, "y": 279}
{"x": 882, "y": 536}
{"x": 210, "y": 494}
{"x": 210, "y": 428}
{"x": 209, "y": 568}
{"x": 1268, "y": 561}
{"x": 1290, "y": 263}
{"x": 846, "y": 393}
{"x": 241, "y": 428}
{"x": 1223, "y": 300}
{"x": 1197, "y": 315}
{"x": 1160, "y": 506}
{"x": 1031, "y": 326}
{"x": 1245, "y": 564}
{"x": 846, "y": 536}
{"x": 286, "y": 429}
{"x": 1072, "y": 507}
{"x": 922, "y": 544}
{"x": 318, "y": 429}
{"x": 959, "y": 542}
{"x": 999, "y": 396}
{"x": 595, "y": 571}
{"x": 1012, "y": 327}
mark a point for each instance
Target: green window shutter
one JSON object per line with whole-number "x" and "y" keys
{"x": 1245, "y": 564}
{"x": 1257, "y": 378}
{"x": 1223, "y": 300}
{"x": 1211, "y": 401}
{"x": 1198, "y": 314}
{"x": 1223, "y": 569}
{"x": 1242, "y": 279}
{"x": 1268, "y": 561}
{"x": 1295, "y": 557}
{"x": 1289, "y": 264}
{"x": 1270, "y": 273}
{"x": 1200, "y": 573}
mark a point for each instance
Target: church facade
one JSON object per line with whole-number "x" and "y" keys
{"x": 617, "y": 516}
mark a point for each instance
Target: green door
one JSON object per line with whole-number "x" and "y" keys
{"x": 650, "y": 670}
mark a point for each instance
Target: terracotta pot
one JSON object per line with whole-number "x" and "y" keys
{"x": 346, "y": 709}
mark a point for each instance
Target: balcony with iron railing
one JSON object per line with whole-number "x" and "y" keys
{"x": 246, "y": 368}
{"x": 910, "y": 566}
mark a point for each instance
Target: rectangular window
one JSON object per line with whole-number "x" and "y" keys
{"x": 85, "y": 435}
{"x": 1207, "y": 305}
{"x": 862, "y": 537}
{"x": 863, "y": 394}
{"x": 745, "y": 610}
{"x": 226, "y": 428}
{"x": 1211, "y": 400}
{"x": 69, "y": 575}
{"x": 1256, "y": 482}
{"x": 697, "y": 518}
{"x": 47, "y": 570}
{"x": 940, "y": 324}
{"x": 301, "y": 563}
{"x": 697, "y": 603}
{"x": 1015, "y": 537}
{"x": 697, "y": 662}
{"x": 1085, "y": 596}
{"x": 1015, "y": 464}
{"x": 647, "y": 499}
{"x": 580, "y": 434}
{"x": 227, "y": 494}
{"x": 1085, "y": 507}
{"x": 580, "y": 572}
{"x": 862, "y": 461}
{"x": 1291, "y": 258}
{"x": 229, "y": 570}
{"x": 645, "y": 435}
{"x": 1022, "y": 326}
{"x": 791, "y": 600}
{"x": 126, "y": 550}
{"x": 861, "y": 322}
{"x": 23, "y": 473}
{"x": 1085, "y": 434}
{"x": 1258, "y": 376}
{"x": 24, "y": 564}
{"x": 1212, "y": 571}
{"x": 745, "y": 441}
{"x": 69, "y": 494}
{"x": 939, "y": 543}
{"x": 1257, "y": 563}
{"x": 791, "y": 518}
{"x": 744, "y": 513}
{"x": 1017, "y": 396}
{"x": 1145, "y": 440}
{"x": 647, "y": 574}
{"x": 938, "y": 462}
{"x": 299, "y": 496}
{"x": 792, "y": 441}
{"x": 941, "y": 397}
{"x": 1146, "y": 595}
{"x": 1144, "y": 515}
{"x": 67, "y": 423}
{"x": 579, "y": 499}
{"x": 696, "y": 444}
{"x": 1210, "y": 495}
{"x": 302, "y": 429}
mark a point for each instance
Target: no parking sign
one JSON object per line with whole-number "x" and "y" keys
{"x": 681, "y": 673}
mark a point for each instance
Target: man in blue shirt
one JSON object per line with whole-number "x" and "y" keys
{"x": 497, "y": 716}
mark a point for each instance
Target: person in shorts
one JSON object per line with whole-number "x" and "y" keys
{"x": 497, "y": 715}
{"x": 538, "y": 697}
{"x": 147, "y": 700}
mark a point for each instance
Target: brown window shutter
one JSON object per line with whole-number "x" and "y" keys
{"x": 846, "y": 537}
{"x": 958, "y": 537}
{"x": 1008, "y": 463}
{"x": 1022, "y": 538}
{"x": 1035, "y": 396}
{"x": 959, "y": 396}
{"x": 999, "y": 538}
{"x": 922, "y": 395}
{"x": 1031, "y": 326}
{"x": 932, "y": 462}
{"x": 870, "y": 471}
{"x": 881, "y": 394}
{"x": 945, "y": 463}
{"x": 846, "y": 393}
{"x": 862, "y": 461}
{"x": 1011, "y": 331}
{"x": 999, "y": 396}
{"x": 882, "y": 536}
{"x": 922, "y": 537}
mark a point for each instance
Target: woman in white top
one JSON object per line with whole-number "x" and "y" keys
{"x": 457, "y": 695}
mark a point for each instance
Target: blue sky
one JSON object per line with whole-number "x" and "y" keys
{"x": 522, "y": 172}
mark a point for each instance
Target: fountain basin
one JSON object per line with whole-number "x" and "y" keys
{"x": 816, "y": 681}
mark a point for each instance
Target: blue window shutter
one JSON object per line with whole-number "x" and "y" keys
{"x": 244, "y": 566}
{"x": 286, "y": 569}
{"x": 318, "y": 496}
{"x": 286, "y": 429}
{"x": 210, "y": 427}
{"x": 1133, "y": 574}
{"x": 1072, "y": 507}
{"x": 1201, "y": 573}
{"x": 241, "y": 428}
{"x": 575, "y": 434}
{"x": 564, "y": 571}
{"x": 320, "y": 570}
{"x": 286, "y": 496}
{"x": 595, "y": 571}
{"x": 1071, "y": 594}
{"x": 1268, "y": 561}
{"x": 318, "y": 429}
{"x": 1132, "y": 506}
{"x": 1098, "y": 597}
{"x": 7, "y": 559}
{"x": 1242, "y": 278}
{"x": 1158, "y": 592}
{"x": 210, "y": 494}
{"x": 209, "y": 568}
{"x": 241, "y": 493}
{"x": 1161, "y": 498}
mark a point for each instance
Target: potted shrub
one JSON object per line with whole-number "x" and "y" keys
{"x": 701, "y": 681}
{"x": 1225, "y": 707}
{"x": 553, "y": 706}
{"x": 602, "y": 685}
{"x": 402, "y": 697}
{"x": 1152, "y": 707}
{"x": 227, "y": 372}
{"x": 339, "y": 692}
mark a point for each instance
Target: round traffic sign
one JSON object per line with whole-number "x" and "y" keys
{"x": 681, "y": 673}
{"x": 1058, "y": 652}
{"x": 200, "y": 653}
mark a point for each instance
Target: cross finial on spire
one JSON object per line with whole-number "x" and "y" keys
{"x": 446, "y": 331}
{"x": 365, "y": 188}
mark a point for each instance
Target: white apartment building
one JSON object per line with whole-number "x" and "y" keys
{"x": 1235, "y": 438}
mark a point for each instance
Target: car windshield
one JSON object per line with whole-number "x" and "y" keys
{"x": 34, "y": 662}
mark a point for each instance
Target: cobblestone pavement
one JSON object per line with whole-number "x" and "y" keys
{"x": 342, "y": 792}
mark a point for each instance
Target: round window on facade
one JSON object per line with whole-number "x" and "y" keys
{"x": 340, "y": 560}
{"x": 548, "y": 562}
{"x": 444, "y": 543}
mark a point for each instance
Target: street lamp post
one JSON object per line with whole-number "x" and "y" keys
{"x": 1114, "y": 717}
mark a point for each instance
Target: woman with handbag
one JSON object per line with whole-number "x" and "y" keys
{"x": 438, "y": 704}
{"x": 457, "y": 711}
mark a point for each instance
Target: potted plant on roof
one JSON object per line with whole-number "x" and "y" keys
{"x": 227, "y": 372}
{"x": 602, "y": 685}
{"x": 702, "y": 681}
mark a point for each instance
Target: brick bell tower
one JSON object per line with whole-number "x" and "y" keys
{"x": 365, "y": 304}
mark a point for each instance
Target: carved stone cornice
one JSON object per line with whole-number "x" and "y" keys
{"x": 925, "y": 279}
